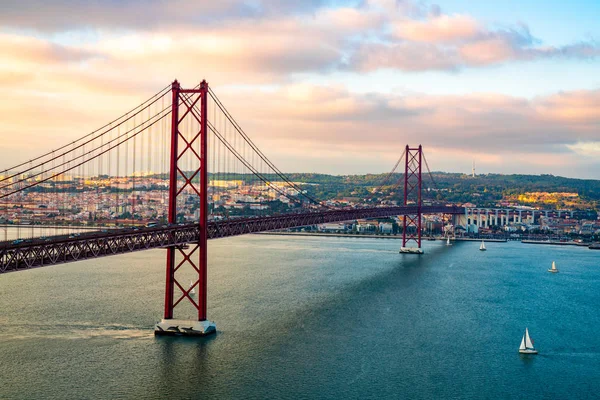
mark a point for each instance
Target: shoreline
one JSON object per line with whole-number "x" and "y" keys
{"x": 526, "y": 241}
{"x": 98, "y": 227}
{"x": 425, "y": 239}
{"x": 397, "y": 237}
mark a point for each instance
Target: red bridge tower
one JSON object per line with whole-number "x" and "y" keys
{"x": 188, "y": 148}
{"x": 411, "y": 232}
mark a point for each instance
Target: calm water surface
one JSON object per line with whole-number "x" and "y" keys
{"x": 305, "y": 317}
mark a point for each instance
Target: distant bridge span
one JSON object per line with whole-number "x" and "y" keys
{"x": 63, "y": 249}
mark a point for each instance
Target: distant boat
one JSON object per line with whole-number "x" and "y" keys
{"x": 527, "y": 345}
{"x": 193, "y": 291}
{"x": 553, "y": 269}
{"x": 482, "y": 247}
{"x": 448, "y": 242}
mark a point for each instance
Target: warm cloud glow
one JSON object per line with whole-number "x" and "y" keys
{"x": 69, "y": 67}
{"x": 588, "y": 149}
{"x": 443, "y": 28}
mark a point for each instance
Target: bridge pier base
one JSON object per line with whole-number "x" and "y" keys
{"x": 178, "y": 327}
{"x": 411, "y": 250}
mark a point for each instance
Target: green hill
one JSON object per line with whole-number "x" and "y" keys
{"x": 483, "y": 190}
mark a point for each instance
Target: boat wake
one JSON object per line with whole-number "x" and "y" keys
{"x": 76, "y": 331}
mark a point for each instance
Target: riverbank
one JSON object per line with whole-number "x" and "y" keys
{"x": 345, "y": 235}
{"x": 81, "y": 227}
{"x": 370, "y": 236}
{"x": 555, "y": 243}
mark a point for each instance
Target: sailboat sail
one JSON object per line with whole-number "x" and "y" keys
{"x": 528, "y": 343}
{"x": 522, "y": 346}
{"x": 553, "y": 265}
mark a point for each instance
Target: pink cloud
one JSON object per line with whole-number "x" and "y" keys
{"x": 270, "y": 39}
{"x": 438, "y": 29}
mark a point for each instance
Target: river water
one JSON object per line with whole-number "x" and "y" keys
{"x": 306, "y": 317}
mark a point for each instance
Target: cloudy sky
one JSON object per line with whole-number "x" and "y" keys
{"x": 321, "y": 86}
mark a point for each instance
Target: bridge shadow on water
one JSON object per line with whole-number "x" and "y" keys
{"x": 309, "y": 342}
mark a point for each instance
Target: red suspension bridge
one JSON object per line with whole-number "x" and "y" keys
{"x": 197, "y": 178}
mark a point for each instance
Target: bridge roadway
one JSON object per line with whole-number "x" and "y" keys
{"x": 62, "y": 249}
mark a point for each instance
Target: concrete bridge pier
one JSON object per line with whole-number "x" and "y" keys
{"x": 177, "y": 327}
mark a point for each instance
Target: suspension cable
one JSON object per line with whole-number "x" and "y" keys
{"x": 87, "y": 153}
{"x": 69, "y": 168}
{"x": 257, "y": 150}
{"x": 155, "y": 97}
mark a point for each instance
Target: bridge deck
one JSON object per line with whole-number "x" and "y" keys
{"x": 62, "y": 249}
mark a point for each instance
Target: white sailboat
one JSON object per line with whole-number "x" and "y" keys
{"x": 527, "y": 344}
{"x": 193, "y": 291}
{"x": 448, "y": 241}
{"x": 553, "y": 269}
{"x": 482, "y": 246}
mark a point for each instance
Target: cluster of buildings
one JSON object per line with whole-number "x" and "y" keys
{"x": 360, "y": 226}
{"x": 432, "y": 225}
{"x": 136, "y": 200}
{"x": 107, "y": 200}
{"x": 527, "y": 219}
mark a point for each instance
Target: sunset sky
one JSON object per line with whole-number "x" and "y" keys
{"x": 321, "y": 86}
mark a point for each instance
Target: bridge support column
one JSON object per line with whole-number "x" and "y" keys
{"x": 193, "y": 105}
{"x": 412, "y": 190}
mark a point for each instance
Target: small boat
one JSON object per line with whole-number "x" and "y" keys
{"x": 448, "y": 241}
{"x": 527, "y": 344}
{"x": 553, "y": 269}
{"x": 482, "y": 247}
{"x": 193, "y": 291}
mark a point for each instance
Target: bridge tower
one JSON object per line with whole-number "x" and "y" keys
{"x": 189, "y": 140}
{"x": 413, "y": 184}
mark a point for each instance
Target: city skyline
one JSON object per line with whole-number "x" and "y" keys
{"x": 330, "y": 87}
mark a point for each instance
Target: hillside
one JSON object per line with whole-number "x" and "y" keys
{"x": 483, "y": 190}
